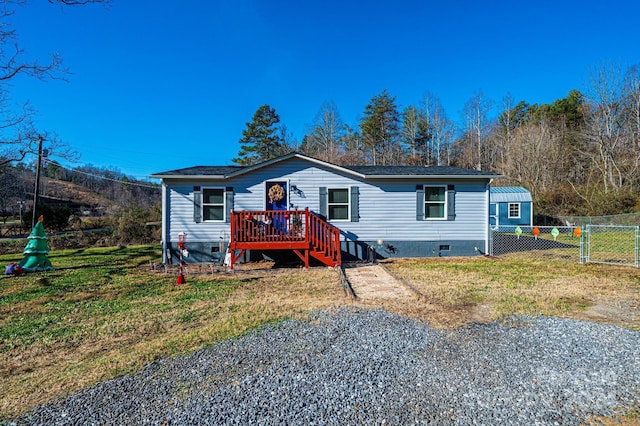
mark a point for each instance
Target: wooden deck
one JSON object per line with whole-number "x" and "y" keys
{"x": 301, "y": 231}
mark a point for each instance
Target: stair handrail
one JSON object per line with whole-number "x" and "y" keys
{"x": 323, "y": 236}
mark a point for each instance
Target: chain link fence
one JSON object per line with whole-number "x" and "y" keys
{"x": 559, "y": 242}
{"x": 609, "y": 244}
{"x": 628, "y": 219}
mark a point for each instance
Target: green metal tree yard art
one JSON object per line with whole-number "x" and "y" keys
{"x": 35, "y": 254}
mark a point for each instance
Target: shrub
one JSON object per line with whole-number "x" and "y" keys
{"x": 130, "y": 225}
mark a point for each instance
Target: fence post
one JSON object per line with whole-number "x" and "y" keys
{"x": 490, "y": 248}
{"x": 637, "y": 244}
{"x": 582, "y": 239}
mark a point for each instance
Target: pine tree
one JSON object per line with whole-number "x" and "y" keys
{"x": 380, "y": 129}
{"x": 260, "y": 140}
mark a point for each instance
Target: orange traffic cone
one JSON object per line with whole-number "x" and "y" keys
{"x": 180, "y": 279}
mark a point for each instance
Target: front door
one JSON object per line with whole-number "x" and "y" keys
{"x": 276, "y": 195}
{"x": 277, "y": 199}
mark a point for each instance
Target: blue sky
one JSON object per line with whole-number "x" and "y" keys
{"x": 158, "y": 85}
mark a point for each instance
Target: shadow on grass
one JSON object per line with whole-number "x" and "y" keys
{"x": 503, "y": 244}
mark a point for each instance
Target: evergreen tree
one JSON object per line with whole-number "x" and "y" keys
{"x": 380, "y": 129}
{"x": 260, "y": 140}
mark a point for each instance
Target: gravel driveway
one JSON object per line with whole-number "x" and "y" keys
{"x": 356, "y": 366}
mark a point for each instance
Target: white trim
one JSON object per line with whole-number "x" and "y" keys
{"x": 165, "y": 223}
{"x": 288, "y": 156}
{"x": 446, "y": 201}
{"x": 224, "y": 203}
{"x": 496, "y": 214}
{"x": 348, "y": 188}
{"x": 531, "y": 214}
{"x": 509, "y": 210}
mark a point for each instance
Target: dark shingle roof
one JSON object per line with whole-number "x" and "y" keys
{"x": 364, "y": 171}
{"x": 201, "y": 171}
{"x": 416, "y": 171}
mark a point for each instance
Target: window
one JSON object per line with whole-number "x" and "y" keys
{"x": 338, "y": 204}
{"x": 514, "y": 210}
{"x": 213, "y": 204}
{"x": 435, "y": 202}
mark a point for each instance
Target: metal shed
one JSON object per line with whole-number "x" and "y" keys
{"x": 510, "y": 206}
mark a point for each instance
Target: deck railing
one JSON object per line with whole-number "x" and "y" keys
{"x": 324, "y": 237}
{"x": 268, "y": 226}
{"x": 289, "y": 229}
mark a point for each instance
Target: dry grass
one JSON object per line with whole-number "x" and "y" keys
{"x": 102, "y": 313}
{"x": 461, "y": 290}
{"x": 116, "y": 324}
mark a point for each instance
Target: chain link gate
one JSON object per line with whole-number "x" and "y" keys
{"x": 610, "y": 244}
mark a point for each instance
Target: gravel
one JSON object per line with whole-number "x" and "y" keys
{"x": 356, "y": 366}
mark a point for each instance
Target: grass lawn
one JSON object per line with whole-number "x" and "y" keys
{"x": 460, "y": 290}
{"x": 102, "y": 313}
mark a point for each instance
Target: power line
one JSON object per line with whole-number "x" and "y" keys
{"x": 106, "y": 178}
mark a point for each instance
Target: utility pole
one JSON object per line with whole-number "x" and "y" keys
{"x": 21, "y": 204}
{"x": 37, "y": 189}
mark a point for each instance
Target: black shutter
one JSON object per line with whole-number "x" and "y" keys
{"x": 355, "y": 204}
{"x": 451, "y": 202}
{"x": 229, "y": 203}
{"x": 419, "y": 202}
{"x": 323, "y": 201}
{"x": 197, "y": 204}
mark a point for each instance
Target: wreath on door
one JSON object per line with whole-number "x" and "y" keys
{"x": 276, "y": 193}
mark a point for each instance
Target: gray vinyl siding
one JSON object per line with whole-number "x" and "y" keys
{"x": 387, "y": 208}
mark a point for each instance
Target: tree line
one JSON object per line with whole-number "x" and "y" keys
{"x": 579, "y": 155}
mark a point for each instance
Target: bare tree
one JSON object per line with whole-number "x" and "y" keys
{"x": 414, "y": 133}
{"x": 632, "y": 93}
{"x": 327, "y": 137}
{"x": 16, "y": 123}
{"x": 533, "y": 156}
{"x": 441, "y": 130}
{"x": 476, "y": 110}
{"x": 288, "y": 140}
{"x": 607, "y": 125}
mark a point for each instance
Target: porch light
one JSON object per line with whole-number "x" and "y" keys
{"x": 295, "y": 190}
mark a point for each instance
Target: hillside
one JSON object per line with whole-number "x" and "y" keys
{"x": 55, "y": 189}
{"x": 79, "y": 199}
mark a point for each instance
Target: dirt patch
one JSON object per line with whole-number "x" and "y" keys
{"x": 623, "y": 313}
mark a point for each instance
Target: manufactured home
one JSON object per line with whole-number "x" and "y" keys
{"x": 323, "y": 211}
